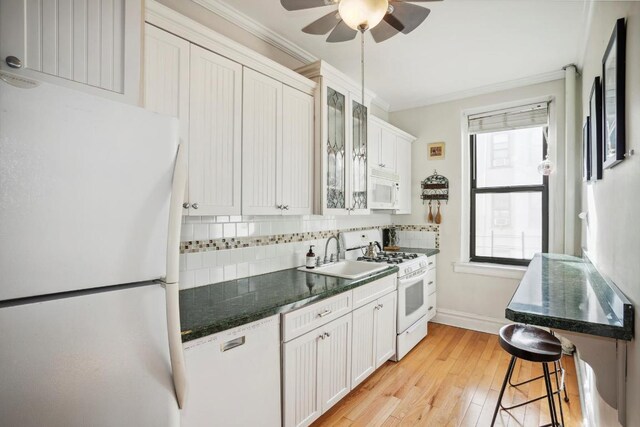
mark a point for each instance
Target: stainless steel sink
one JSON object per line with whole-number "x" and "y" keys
{"x": 347, "y": 269}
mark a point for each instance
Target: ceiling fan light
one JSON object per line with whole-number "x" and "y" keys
{"x": 359, "y": 14}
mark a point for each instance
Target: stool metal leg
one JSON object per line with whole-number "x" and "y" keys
{"x": 558, "y": 388}
{"x": 512, "y": 363}
{"x": 550, "y": 399}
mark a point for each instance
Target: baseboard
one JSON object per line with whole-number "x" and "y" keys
{"x": 474, "y": 322}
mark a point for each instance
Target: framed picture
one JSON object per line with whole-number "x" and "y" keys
{"x": 613, "y": 75}
{"x": 586, "y": 150}
{"x": 436, "y": 151}
{"x": 595, "y": 113}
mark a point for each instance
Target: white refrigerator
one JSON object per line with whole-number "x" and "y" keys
{"x": 90, "y": 212}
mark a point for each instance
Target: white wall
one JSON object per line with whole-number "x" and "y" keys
{"x": 479, "y": 295}
{"x": 612, "y": 237}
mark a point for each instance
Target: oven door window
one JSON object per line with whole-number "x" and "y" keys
{"x": 414, "y": 299}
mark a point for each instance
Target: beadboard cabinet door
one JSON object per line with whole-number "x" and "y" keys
{"x": 388, "y": 150}
{"x": 301, "y": 370}
{"x": 261, "y": 144}
{"x": 215, "y": 132}
{"x": 90, "y": 45}
{"x": 363, "y": 357}
{"x": 335, "y": 357}
{"x": 385, "y": 328}
{"x": 166, "y": 82}
{"x": 297, "y": 152}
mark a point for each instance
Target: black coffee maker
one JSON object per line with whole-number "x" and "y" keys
{"x": 390, "y": 237}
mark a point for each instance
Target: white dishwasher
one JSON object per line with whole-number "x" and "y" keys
{"x": 233, "y": 377}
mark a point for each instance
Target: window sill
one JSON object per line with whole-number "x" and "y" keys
{"x": 493, "y": 270}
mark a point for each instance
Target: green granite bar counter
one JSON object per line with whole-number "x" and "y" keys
{"x": 206, "y": 310}
{"x": 427, "y": 252}
{"x": 565, "y": 292}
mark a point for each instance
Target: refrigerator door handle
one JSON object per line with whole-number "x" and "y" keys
{"x": 178, "y": 367}
{"x": 173, "y": 270}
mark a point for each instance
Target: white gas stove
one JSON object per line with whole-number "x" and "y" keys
{"x": 411, "y": 322}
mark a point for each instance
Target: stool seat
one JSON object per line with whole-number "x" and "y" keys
{"x": 530, "y": 343}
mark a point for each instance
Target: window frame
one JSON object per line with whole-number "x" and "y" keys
{"x": 474, "y": 190}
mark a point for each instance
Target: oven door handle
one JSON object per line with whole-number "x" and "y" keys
{"x": 412, "y": 280}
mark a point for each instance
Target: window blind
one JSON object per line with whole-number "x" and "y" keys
{"x": 525, "y": 116}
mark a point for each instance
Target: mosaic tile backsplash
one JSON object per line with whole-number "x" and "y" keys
{"x": 216, "y": 249}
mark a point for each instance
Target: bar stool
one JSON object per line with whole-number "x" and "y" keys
{"x": 534, "y": 345}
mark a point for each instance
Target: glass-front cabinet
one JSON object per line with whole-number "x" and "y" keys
{"x": 341, "y": 142}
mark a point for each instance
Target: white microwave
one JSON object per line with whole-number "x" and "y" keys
{"x": 384, "y": 188}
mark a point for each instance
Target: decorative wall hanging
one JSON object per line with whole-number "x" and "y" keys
{"x": 613, "y": 88}
{"x": 436, "y": 151}
{"x": 586, "y": 150}
{"x": 435, "y": 188}
{"x": 595, "y": 113}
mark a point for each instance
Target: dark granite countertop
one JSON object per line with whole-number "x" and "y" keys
{"x": 565, "y": 292}
{"x": 427, "y": 252}
{"x": 205, "y": 310}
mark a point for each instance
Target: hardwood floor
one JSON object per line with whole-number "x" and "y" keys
{"x": 452, "y": 378}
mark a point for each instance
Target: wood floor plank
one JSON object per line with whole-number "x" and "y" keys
{"x": 451, "y": 378}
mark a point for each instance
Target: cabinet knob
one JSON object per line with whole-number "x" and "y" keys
{"x": 195, "y": 206}
{"x": 185, "y": 205}
{"x": 285, "y": 207}
{"x": 13, "y": 61}
{"x": 327, "y": 335}
{"x": 279, "y": 207}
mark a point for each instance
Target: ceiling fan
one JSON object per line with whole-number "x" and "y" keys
{"x": 383, "y": 18}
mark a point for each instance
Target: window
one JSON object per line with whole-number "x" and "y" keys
{"x": 509, "y": 198}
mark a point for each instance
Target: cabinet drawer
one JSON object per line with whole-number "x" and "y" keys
{"x": 431, "y": 281}
{"x": 432, "y": 307}
{"x": 374, "y": 290}
{"x": 305, "y": 319}
{"x": 431, "y": 262}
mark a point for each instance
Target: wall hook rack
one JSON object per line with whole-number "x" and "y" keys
{"x": 435, "y": 187}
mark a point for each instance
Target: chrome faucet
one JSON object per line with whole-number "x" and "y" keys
{"x": 337, "y": 254}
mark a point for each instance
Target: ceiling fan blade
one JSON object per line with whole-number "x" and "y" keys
{"x": 393, "y": 21}
{"x": 305, "y": 4}
{"x": 342, "y": 33}
{"x": 409, "y": 15}
{"x": 324, "y": 24}
{"x": 383, "y": 31}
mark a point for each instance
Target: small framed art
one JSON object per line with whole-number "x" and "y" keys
{"x": 436, "y": 151}
{"x": 613, "y": 75}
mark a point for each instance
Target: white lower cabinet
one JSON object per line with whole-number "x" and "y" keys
{"x": 234, "y": 377}
{"x": 374, "y": 337}
{"x": 317, "y": 371}
{"x": 320, "y": 366}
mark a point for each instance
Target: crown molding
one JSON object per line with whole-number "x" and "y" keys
{"x": 257, "y": 29}
{"x": 482, "y": 90}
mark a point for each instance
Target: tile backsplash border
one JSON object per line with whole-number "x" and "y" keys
{"x": 194, "y": 246}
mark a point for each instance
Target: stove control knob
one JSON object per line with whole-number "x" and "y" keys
{"x": 407, "y": 270}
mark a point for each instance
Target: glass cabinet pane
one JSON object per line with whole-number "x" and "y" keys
{"x": 359, "y": 157}
{"x": 336, "y": 151}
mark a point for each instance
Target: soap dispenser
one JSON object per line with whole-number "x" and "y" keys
{"x": 311, "y": 258}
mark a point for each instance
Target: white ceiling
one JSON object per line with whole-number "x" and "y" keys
{"x": 462, "y": 47}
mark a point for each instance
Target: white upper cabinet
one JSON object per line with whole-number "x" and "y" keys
{"x": 277, "y": 148}
{"x": 390, "y": 151}
{"x": 297, "y": 152}
{"x": 215, "y": 127}
{"x": 91, "y": 45}
{"x": 403, "y": 150}
{"x": 261, "y": 144}
{"x": 166, "y": 81}
{"x": 341, "y": 138}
